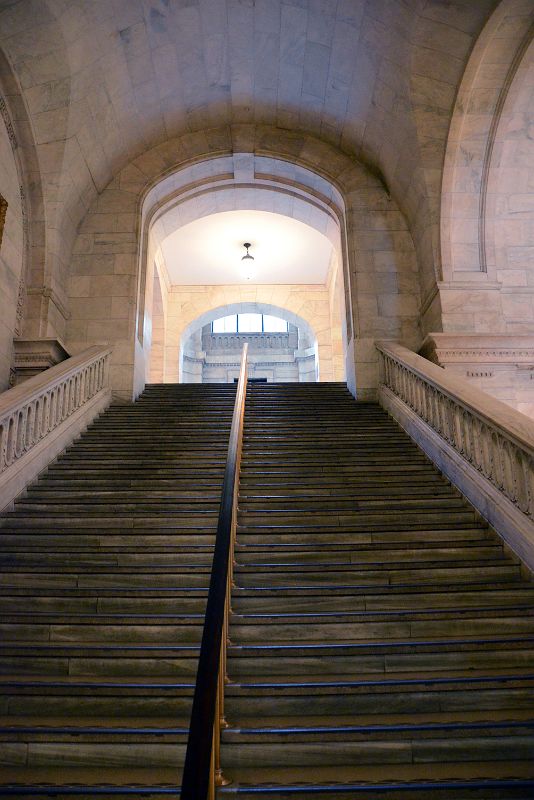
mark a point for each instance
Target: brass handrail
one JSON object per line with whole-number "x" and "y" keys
{"x": 202, "y": 768}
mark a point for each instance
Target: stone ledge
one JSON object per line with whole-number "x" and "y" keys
{"x": 472, "y": 348}
{"x": 33, "y": 356}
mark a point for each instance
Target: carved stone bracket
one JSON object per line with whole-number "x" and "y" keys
{"x": 32, "y": 356}
{"x": 496, "y": 363}
{"x": 4, "y": 113}
{"x": 19, "y": 318}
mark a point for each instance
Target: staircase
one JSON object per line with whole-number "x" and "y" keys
{"x": 104, "y": 572}
{"x": 382, "y": 641}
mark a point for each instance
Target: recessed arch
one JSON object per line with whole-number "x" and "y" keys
{"x": 475, "y": 141}
{"x": 381, "y": 282}
{"x": 244, "y": 307}
{"x": 259, "y": 307}
{"x": 246, "y": 182}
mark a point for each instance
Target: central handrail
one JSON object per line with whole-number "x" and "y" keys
{"x": 202, "y": 769}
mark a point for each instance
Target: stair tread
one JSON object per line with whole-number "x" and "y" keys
{"x": 106, "y": 564}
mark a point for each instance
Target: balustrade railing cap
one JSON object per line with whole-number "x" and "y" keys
{"x": 497, "y": 414}
{"x": 13, "y": 398}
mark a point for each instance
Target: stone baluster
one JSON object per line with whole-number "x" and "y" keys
{"x": 38, "y": 407}
{"x": 493, "y": 438}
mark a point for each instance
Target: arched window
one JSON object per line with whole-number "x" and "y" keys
{"x": 249, "y": 323}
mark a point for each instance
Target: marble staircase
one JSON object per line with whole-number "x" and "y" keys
{"x": 105, "y": 565}
{"x": 382, "y": 640}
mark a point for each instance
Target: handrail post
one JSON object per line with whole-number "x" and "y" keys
{"x": 202, "y": 769}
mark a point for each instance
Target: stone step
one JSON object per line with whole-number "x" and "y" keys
{"x": 387, "y": 782}
{"x": 362, "y": 506}
{"x": 375, "y": 613}
{"x": 337, "y": 627}
{"x": 298, "y": 602}
{"x": 451, "y": 743}
{"x": 93, "y": 660}
{"x": 71, "y": 521}
{"x": 356, "y": 658}
{"x": 105, "y": 506}
{"x": 342, "y": 538}
{"x": 105, "y": 743}
{"x": 145, "y": 630}
{"x": 321, "y": 541}
{"x": 249, "y": 560}
{"x": 382, "y": 658}
{"x": 344, "y": 517}
{"x": 106, "y": 783}
{"x": 98, "y": 605}
{"x": 378, "y": 574}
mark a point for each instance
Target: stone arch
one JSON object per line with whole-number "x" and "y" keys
{"x": 259, "y": 307}
{"x": 473, "y": 147}
{"x": 378, "y": 249}
{"x": 32, "y": 314}
{"x": 244, "y": 307}
{"x": 21, "y": 225}
{"x": 484, "y": 166}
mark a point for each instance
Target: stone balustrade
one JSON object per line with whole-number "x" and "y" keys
{"x": 257, "y": 341}
{"x": 472, "y": 436}
{"x": 41, "y": 416}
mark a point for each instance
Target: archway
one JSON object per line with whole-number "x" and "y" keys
{"x": 112, "y": 304}
{"x": 306, "y": 366}
{"x": 319, "y": 301}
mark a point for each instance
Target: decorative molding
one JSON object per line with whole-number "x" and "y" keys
{"x": 257, "y": 341}
{"x": 480, "y": 284}
{"x": 24, "y": 212}
{"x": 3, "y": 211}
{"x": 4, "y": 113}
{"x": 32, "y": 356}
{"x": 461, "y": 348}
{"x": 21, "y": 299}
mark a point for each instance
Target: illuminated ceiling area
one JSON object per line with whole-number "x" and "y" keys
{"x": 209, "y": 250}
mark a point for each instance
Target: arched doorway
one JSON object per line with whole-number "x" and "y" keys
{"x": 295, "y": 223}
{"x": 377, "y": 274}
{"x": 211, "y": 355}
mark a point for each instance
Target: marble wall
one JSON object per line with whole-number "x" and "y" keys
{"x": 380, "y": 271}
{"x": 105, "y": 82}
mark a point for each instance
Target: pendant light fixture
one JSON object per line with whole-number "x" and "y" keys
{"x": 246, "y": 245}
{"x": 249, "y": 271}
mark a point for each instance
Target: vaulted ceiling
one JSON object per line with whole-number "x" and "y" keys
{"x": 104, "y": 80}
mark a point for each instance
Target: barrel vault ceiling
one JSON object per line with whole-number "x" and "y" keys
{"x": 104, "y": 80}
